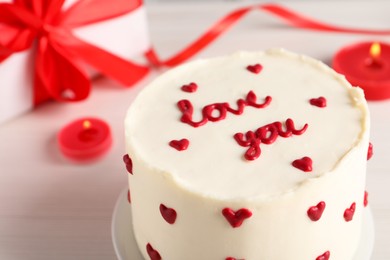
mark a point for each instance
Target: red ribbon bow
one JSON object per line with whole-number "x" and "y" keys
{"x": 59, "y": 52}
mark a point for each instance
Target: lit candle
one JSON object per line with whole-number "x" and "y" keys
{"x": 366, "y": 65}
{"x": 85, "y": 139}
{"x": 374, "y": 60}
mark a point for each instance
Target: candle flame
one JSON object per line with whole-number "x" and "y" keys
{"x": 375, "y": 50}
{"x": 86, "y": 124}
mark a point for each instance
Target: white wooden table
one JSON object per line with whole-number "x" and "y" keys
{"x": 51, "y": 208}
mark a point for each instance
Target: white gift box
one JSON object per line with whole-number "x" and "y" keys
{"x": 125, "y": 36}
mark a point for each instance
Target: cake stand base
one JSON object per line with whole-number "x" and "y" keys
{"x": 126, "y": 247}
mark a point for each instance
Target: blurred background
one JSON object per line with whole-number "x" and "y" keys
{"x": 255, "y": 1}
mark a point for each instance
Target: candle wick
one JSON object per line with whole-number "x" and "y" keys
{"x": 88, "y": 133}
{"x": 374, "y": 60}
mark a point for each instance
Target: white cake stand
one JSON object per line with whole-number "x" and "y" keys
{"x": 126, "y": 247}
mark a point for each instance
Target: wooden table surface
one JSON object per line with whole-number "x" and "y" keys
{"x": 51, "y": 208}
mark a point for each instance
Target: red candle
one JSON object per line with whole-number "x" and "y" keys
{"x": 85, "y": 139}
{"x": 366, "y": 65}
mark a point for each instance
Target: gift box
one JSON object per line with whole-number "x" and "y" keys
{"x": 59, "y": 49}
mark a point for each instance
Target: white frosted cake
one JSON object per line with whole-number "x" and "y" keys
{"x": 255, "y": 156}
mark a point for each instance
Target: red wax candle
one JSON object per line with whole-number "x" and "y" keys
{"x": 85, "y": 139}
{"x": 366, "y": 65}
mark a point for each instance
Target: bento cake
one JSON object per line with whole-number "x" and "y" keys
{"x": 255, "y": 156}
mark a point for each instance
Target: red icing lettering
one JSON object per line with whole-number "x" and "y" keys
{"x": 365, "y": 201}
{"x": 315, "y": 212}
{"x": 208, "y": 112}
{"x": 180, "y": 145}
{"x": 168, "y": 214}
{"x": 304, "y": 164}
{"x": 318, "y": 102}
{"x": 192, "y": 87}
{"x": 349, "y": 212}
{"x": 267, "y": 135}
{"x": 240, "y": 107}
{"x": 236, "y": 218}
{"x": 254, "y": 68}
{"x": 187, "y": 110}
{"x": 153, "y": 254}
{"x": 128, "y": 196}
{"x": 324, "y": 256}
{"x": 129, "y": 163}
{"x": 232, "y": 258}
{"x": 370, "y": 151}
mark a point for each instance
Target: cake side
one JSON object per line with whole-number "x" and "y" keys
{"x": 201, "y": 231}
{"x": 210, "y": 200}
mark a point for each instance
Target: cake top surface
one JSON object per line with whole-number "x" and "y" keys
{"x": 250, "y": 124}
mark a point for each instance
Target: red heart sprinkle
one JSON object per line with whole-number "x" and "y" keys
{"x": 349, "y": 212}
{"x": 318, "y": 102}
{"x": 153, "y": 254}
{"x": 324, "y": 256}
{"x": 129, "y": 163}
{"x": 128, "y": 196}
{"x": 180, "y": 145}
{"x": 192, "y": 87}
{"x": 365, "y": 202}
{"x": 304, "y": 164}
{"x": 235, "y": 218}
{"x": 315, "y": 212}
{"x": 370, "y": 151}
{"x": 254, "y": 68}
{"x": 168, "y": 214}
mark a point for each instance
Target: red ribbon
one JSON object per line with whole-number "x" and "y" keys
{"x": 57, "y": 74}
{"x": 56, "y": 69}
{"x": 294, "y": 19}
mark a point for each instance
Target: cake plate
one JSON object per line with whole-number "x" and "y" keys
{"x": 126, "y": 247}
